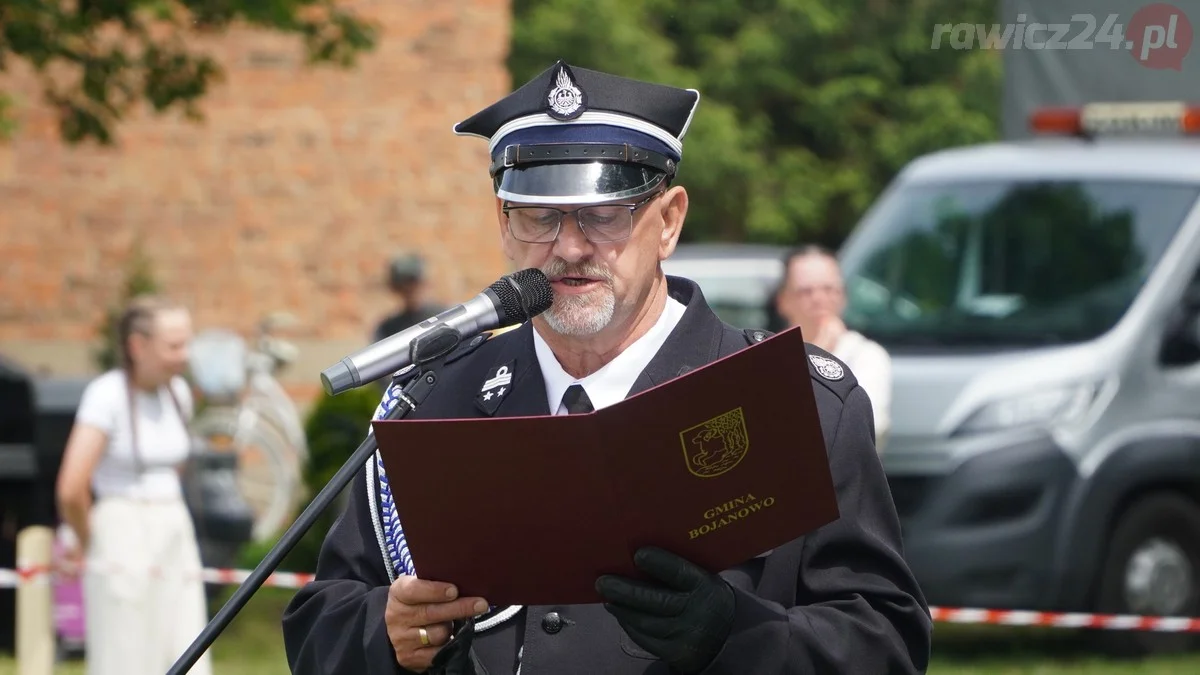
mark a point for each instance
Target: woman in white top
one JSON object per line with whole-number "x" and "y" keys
{"x": 143, "y": 595}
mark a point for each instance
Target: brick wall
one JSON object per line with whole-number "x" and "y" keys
{"x": 290, "y": 196}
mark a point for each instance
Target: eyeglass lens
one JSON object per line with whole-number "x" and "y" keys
{"x": 536, "y": 224}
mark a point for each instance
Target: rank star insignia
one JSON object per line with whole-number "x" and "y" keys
{"x": 497, "y": 385}
{"x": 565, "y": 100}
{"x": 827, "y": 368}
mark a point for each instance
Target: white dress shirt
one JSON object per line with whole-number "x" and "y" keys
{"x": 612, "y": 382}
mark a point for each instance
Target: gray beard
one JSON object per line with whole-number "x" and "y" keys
{"x": 581, "y": 316}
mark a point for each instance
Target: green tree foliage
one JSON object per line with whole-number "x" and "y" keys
{"x": 808, "y": 107}
{"x": 6, "y": 123}
{"x": 100, "y": 58}
{"x": 139, "y": 280}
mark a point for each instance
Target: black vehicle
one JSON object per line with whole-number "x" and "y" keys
{"x": 22, "y": 501}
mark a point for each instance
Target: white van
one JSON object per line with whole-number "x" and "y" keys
{"x": 1041, "y": 303}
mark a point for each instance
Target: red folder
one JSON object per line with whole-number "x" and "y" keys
{"x": 718, "y": 465}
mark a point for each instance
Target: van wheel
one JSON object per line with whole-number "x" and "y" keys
{"x": 1152, "y": 568}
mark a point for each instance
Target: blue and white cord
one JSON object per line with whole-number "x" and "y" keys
{"x": 393, "y": 534}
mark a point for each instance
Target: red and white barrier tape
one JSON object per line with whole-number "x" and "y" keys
{"x": 995, "y": 617}
{"x": 999, "y": 617}
{"x": 12, "y": 578}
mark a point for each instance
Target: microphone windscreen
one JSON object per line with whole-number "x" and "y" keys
{"x": 523, "y": 295}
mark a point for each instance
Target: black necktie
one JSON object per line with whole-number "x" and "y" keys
{"x": 576, "y": 400}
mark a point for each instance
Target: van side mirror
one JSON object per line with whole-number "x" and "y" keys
{"x": 1191, "y": 329}
{"x": 1191, "y": 297}
{"x": 1181, "y": 343}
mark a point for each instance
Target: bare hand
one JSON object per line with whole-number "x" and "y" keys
{"x": 414, "y": 604}
{"x": 73, "y": 558}
{"x": 831, "y": 330}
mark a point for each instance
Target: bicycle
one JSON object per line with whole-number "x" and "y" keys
{"x": 247, "y": 411}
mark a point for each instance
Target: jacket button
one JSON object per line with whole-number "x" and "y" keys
{"x": 552, "y": 623}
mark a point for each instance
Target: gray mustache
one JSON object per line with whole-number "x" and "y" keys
{"x": 562, "y": 269}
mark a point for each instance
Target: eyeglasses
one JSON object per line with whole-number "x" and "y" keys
{"x": 601, "y": 223}
{"x": 826, "y": 289}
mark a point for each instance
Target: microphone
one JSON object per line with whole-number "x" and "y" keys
{"x": 513, "y": 299}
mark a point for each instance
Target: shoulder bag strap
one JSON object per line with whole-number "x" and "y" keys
{"x": 179, "y": 409}
{"x": 190, "y": 497}
{"x": 138, "y": 464}
{"x": 183, "y": 419}
{"x": 137, "y": 457}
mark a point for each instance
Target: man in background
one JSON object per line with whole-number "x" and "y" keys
{"x": 813, "y": 297}
{"x": 406, "y": 279}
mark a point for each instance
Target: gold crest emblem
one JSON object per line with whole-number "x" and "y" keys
{"x": 711, "y": 448}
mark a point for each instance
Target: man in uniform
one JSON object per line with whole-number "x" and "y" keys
{"x": 406, "y": 280}
{"x": 582, "y": 166}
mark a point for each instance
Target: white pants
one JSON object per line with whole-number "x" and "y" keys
{"x": 143, "y": 594}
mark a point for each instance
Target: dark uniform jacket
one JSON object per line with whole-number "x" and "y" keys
{"x": 839, "y": 600}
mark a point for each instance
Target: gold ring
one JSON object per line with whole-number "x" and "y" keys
{"x": 424, "y": 636}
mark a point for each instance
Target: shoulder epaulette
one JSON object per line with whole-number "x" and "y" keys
{"x": 830, "y": 371}
{"x": 754, "y": 335}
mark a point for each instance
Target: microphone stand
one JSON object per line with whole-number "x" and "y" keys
{"x": 424, "y": 350}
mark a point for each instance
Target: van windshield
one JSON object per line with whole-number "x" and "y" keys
{"x": 1006, "y": 263}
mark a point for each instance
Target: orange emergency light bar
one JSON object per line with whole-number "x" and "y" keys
{"x": 1095, "y": 119}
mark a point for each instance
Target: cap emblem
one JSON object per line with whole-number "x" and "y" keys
{"x": 565, "y": 100}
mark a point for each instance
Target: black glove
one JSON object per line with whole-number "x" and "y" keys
{"x": 457, "y": 657}
{"x": 684, "y": 620}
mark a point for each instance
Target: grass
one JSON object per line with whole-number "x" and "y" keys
{"x": 252, "y": 646}
{"x": 988, "y": 650}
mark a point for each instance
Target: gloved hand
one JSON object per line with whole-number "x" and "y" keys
{"x": 457, "y": 657}
{"x": 684, "y": 620}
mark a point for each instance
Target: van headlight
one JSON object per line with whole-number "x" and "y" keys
{"x": 1036, "y": 408}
